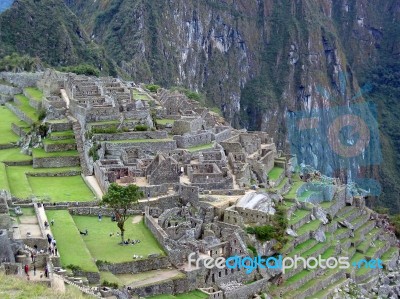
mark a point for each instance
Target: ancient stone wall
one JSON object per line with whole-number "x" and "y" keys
{"x": 190, "y": 140}
{"x": 155, "y": 147}
{"x": 247, "y": 291}
{"x": 9, "y": 90}
{"x": 136, "y": 266}
{"x": 171, "y": 286}
{"x": 21, "y": 115}
{"x": 52, "y": 162}
{"x": 18, "y": 130}
{"x": 59, "y": 126}
{"x": 22, "y": 79}
{"x": 59, "y": 147}
{"x": 223, "y": 135}
{"x": 95, "y": 210}
{"x": 131, "y": 135}
{"x": 4, "y": 97}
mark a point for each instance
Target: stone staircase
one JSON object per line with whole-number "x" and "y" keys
{"x": 86, "y": 290}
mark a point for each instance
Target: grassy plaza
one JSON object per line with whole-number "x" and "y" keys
{"x": 110, "y": 249}
{"x": 83, "y": 251}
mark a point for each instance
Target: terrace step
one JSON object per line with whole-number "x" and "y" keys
{"x": 371, "y": 237}
{"x": 327, "y": 291}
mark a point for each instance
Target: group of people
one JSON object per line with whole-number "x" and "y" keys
{"x": 133, "y": 242}
{"x": 46, "y": 224}
{"x": 52, "y": 245}
{"x": 33, "y": 254}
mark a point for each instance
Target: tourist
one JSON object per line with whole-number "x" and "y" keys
{"x": 49, "y": 239}
{"x": 26, "y": 268}
{"x": 52, "y": 222}
{"x": 54, "y": 242}
{"x": 100, "y": 216}
{"x": 34, "y": 270}
{"x": 55, "y": 250}
{"x": 32, "y": 256}
{"x": 46, "y": 224}
{"x": 46, "y": 272}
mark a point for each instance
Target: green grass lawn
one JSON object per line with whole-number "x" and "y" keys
{"x": 299, "y": 214}
{"x": 18, "y": 181}
{"x": 305, "y": 195}
{"x": 200, "y": 147}
{"x": 275, "y": 173}
{"x": 26, "y": 108}
{"x": 303, "y": 246}
{"x": 41, "y": 153}
{"x": 312, "y": 226}
{"x": 68, "y": 133}
{"x": 69, "y": 241}
{"x": 60, "y": 141}
{"x": 388, "y": 254}
{"x": 16, "y": 287}
{"x": 13, "y": 155}
{"x": 327, "y": 204}
{"x": 190, "y": 295}
{"x": 292, "y": 194}
{"x": 165, "y": 121}
{"x": 110, "y": 249}
{"x": 35, "y": 93}
{"x": 137, "y": 95}
{"x": 6, "y": 118}
{"x": 281, "y": 185}
{"x": 60, "y": 189}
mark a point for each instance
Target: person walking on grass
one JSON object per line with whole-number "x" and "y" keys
{"x": 100, "y": 216}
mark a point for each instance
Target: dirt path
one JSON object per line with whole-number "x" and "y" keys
{"x": 95, "y": 185}
{"x": 58, "y": 284}
{"x": 137, "y": 219}
{"x": 158, "y": 276}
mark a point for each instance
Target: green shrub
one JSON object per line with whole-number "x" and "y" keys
{"x": 74, "y": 268}
{"x": 42, "y": 114}
{"x": 252, "y": 249}
{"x": 93, "y": 151}
{"x": 106, "y": 283}
{"x": 82, "y": 69}
{"x": 99, "y": 263}
{"x": 141, "y": 128}
{"x": 109, "y": 130}
{"x": 152, "y": 87}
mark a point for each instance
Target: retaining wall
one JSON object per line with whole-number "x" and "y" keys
{"x": 54, "y": 162}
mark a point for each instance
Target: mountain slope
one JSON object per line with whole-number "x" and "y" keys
{"x": 49, "y": 30}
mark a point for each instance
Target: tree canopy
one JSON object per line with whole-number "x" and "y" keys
{"x": 121, "y": 199}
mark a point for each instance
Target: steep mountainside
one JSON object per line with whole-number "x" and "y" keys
{"x": 259, "y": 61}
{"x": 49, "y": 30}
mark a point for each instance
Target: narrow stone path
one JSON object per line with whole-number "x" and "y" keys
{"x": 91, "y": 179}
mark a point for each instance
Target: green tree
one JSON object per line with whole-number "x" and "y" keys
{"x": 121, "y": 199}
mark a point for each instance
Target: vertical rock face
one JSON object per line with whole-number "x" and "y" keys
{"x": 259, "y": 61}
